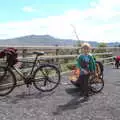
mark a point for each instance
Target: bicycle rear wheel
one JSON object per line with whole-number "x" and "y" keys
{"x": 96, "y": 84}
{"x": 46, "y": 78}
{"x": 7, "y": 81}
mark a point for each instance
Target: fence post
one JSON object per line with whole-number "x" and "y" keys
{"x": 57, "y": 52}
{"x": 78, "y": 51}
{"x": 24, "y": 52}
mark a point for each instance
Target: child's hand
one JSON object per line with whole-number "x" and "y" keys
{"x": 85, "y": 72}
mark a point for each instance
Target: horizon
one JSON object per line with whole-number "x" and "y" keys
{"x": 92, "y": 20}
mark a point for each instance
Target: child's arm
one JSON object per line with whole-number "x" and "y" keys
{"x": 92, "y": 65}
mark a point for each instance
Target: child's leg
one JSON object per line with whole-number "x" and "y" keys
{"x": 75, "y": 83}
{"x": 116, "y": 63}
{"x": 80, "y": 82}
{"x": 85, "y": 85}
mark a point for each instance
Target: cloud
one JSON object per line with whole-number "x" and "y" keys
{"x": 99, "y": 23}
{"x": 28, "y": 9}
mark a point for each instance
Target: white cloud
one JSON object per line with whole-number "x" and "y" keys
{"x": 99, "y": 22}
{"x": 28, "y": 9}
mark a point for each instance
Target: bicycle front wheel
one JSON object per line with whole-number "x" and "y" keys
{"x": 7, "y": 81}
{"x": 46, "y": 78}
{"x": 96, "y": 84}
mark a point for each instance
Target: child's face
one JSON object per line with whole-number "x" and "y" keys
{"x": 86, "y": 50}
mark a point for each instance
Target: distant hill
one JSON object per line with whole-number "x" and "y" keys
{"x": 37, "y": 40}
{"x": 44, "y": 40}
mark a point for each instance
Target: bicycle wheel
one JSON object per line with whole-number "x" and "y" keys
{"x": 46, "y": 78}
{"x": 96, "y": 84}
{"x": 7, "y": 81}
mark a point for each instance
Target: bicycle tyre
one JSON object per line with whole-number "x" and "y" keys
{"x": 45, "y": 79}
{"x": 4, "y": 81}
{"x": 101, "y": 67}
{"x": 91, "y": 81}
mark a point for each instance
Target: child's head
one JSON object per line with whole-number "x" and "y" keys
{"x": 86, "y": 47}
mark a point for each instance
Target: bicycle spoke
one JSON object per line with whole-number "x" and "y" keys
{"x": 96, "y": 84}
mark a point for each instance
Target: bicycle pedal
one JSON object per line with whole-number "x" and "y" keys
{"x": 30, "y": 83}
{"x": 29, "y": 90}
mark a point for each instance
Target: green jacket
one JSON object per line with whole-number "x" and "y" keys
{"x": 88, "y": 64}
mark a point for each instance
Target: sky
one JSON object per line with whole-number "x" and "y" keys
{"x": 91, "y": 20}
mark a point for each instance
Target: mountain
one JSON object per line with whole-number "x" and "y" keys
{"x": 37, "y": 40}
{"x": 44, "y": 40}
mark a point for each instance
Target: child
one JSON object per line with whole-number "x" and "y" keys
{"x": 86, "y": 64}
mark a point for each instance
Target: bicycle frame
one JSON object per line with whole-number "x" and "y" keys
{"x": 30, "y": 73}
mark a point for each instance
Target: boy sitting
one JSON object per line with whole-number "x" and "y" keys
{"x": 86, "y": 64}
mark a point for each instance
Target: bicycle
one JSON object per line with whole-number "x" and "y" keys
{"x": 95, "y": 81}
{"x": 40, "y": 76}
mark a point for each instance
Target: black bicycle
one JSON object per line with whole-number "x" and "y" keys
{"x": 45, "y": 77}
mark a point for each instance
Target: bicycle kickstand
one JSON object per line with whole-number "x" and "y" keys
{"x": 28, "y": 86}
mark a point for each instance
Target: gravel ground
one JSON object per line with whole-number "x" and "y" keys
{"x": 65, "y": 103}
